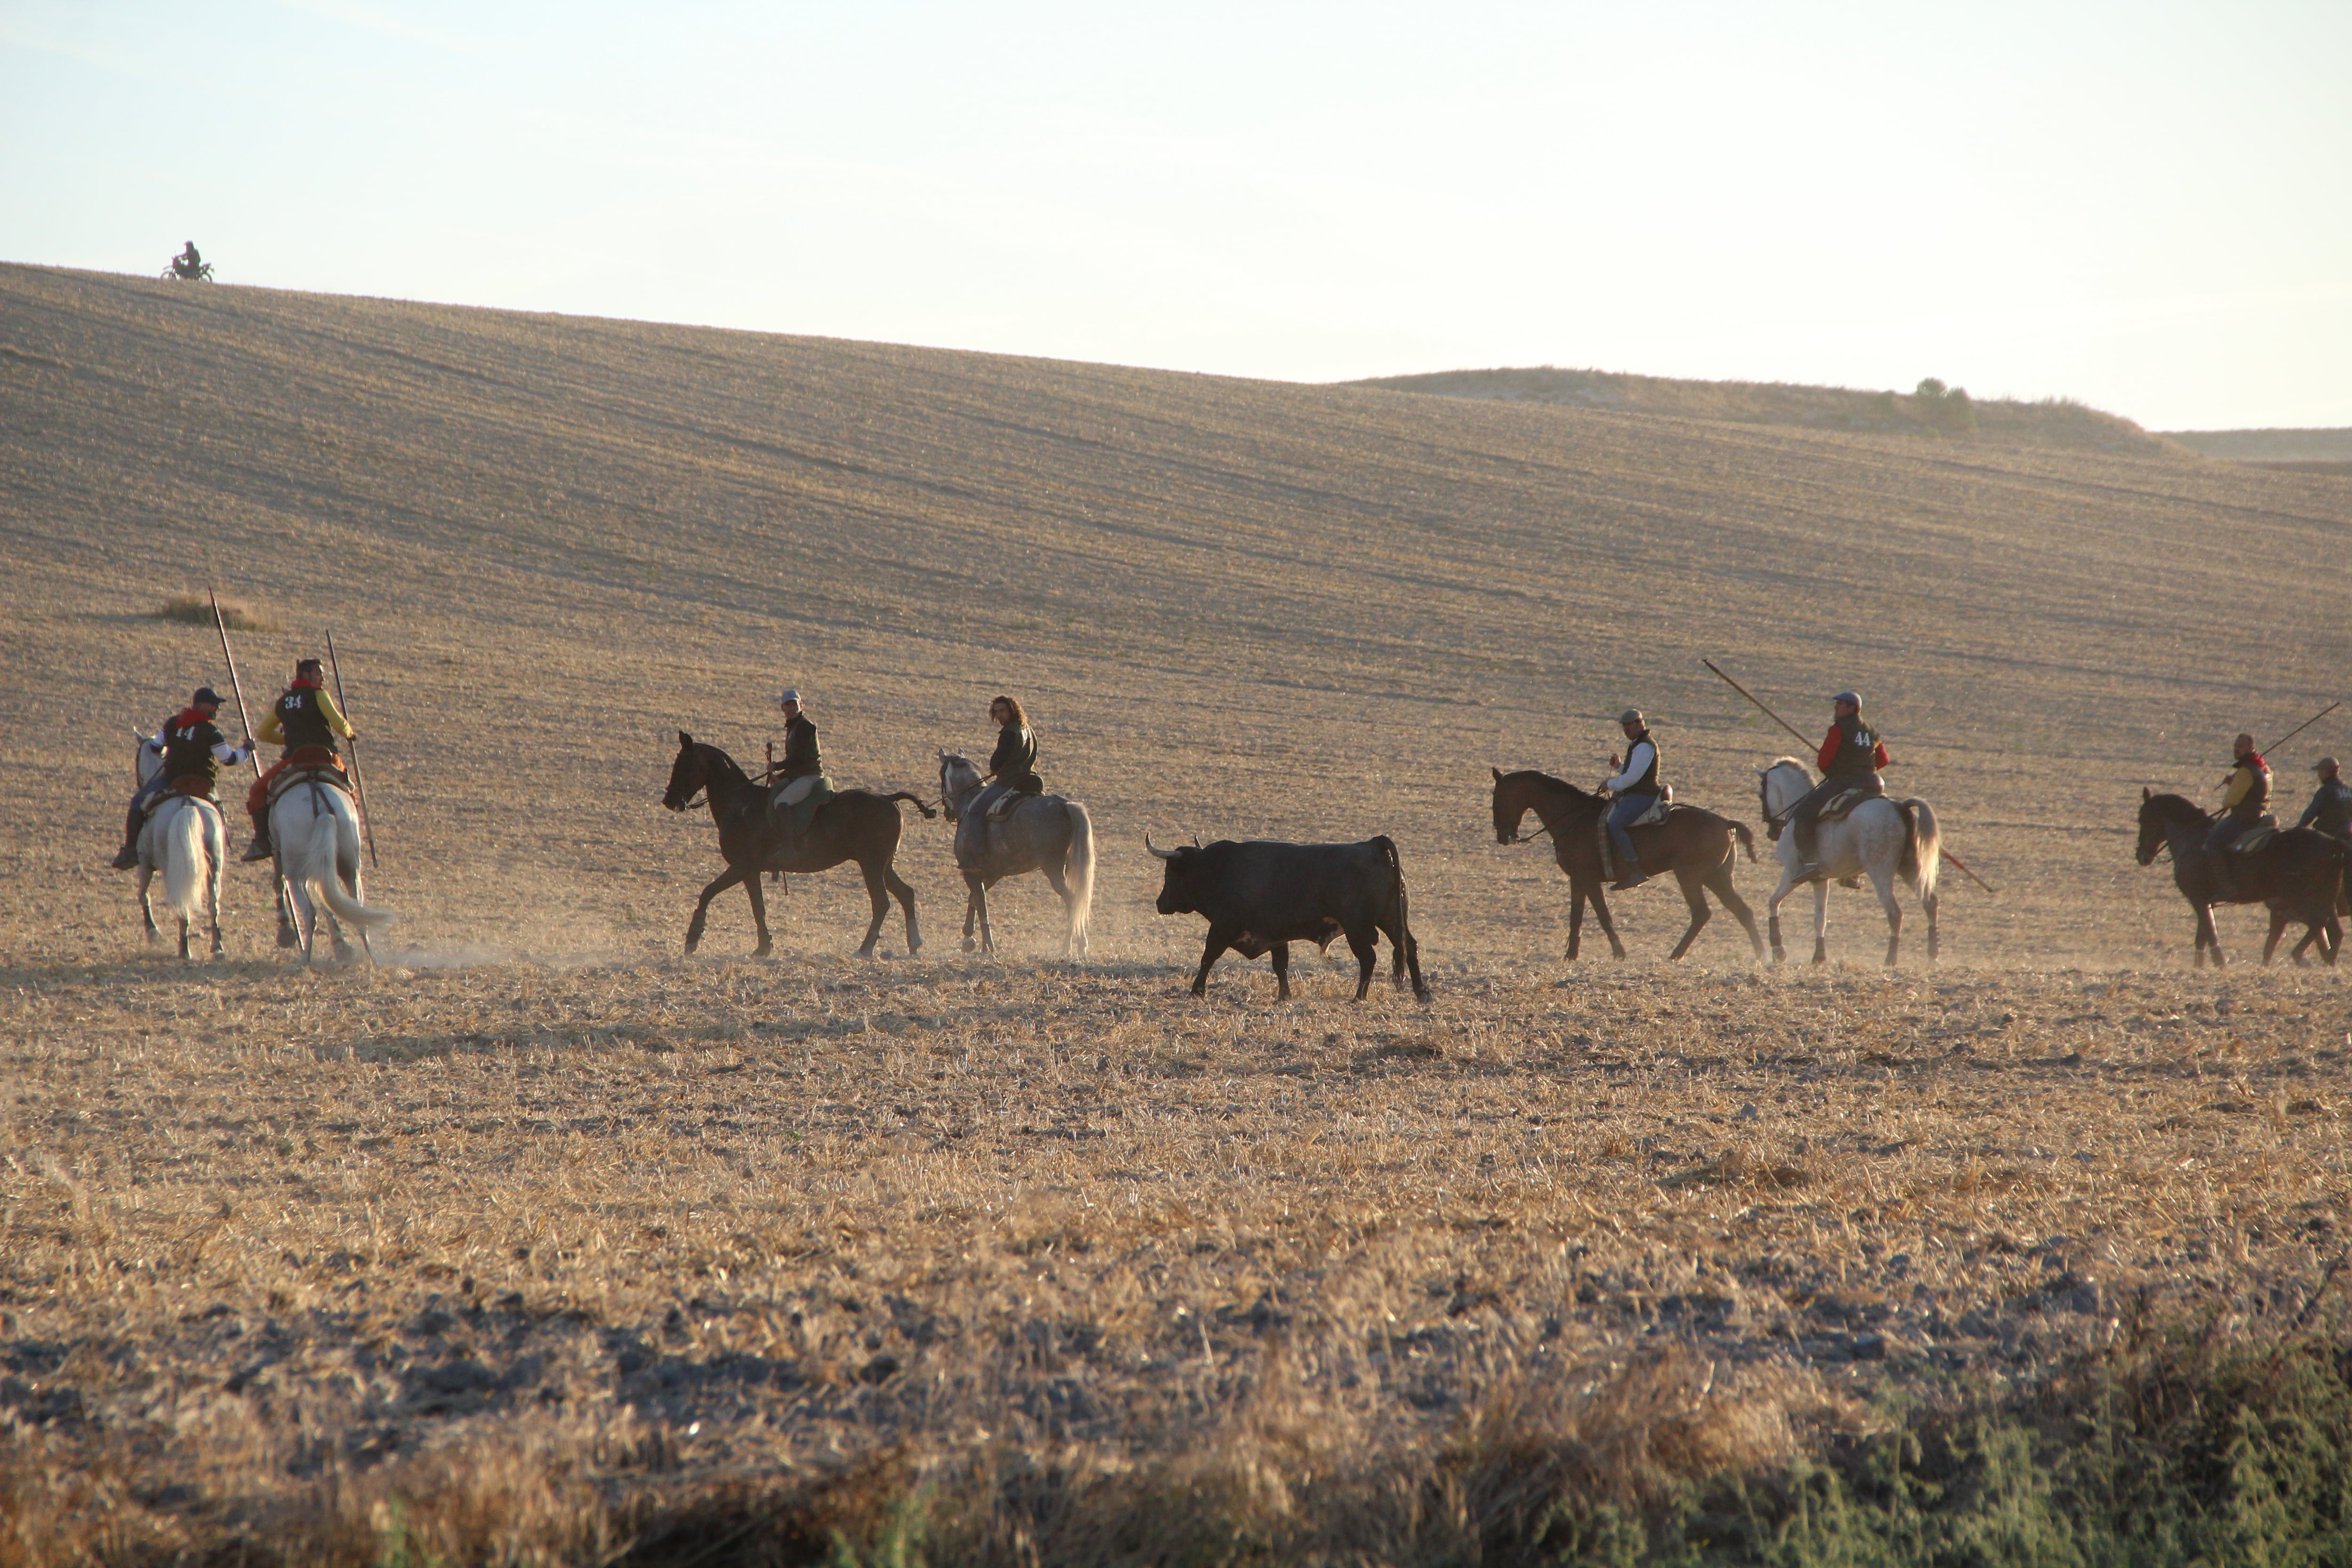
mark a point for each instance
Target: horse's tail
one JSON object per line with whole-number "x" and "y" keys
{"x": 185, "y": 871}
{"x": 1746, "y": 840}
{"x": 1080, "y": 870}
{"x": 1923, "y": 846}
{"x": 334, "y": 836}
{"x": 915, "y": 799}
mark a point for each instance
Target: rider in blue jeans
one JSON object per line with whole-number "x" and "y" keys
{"x": 1636, "y": 789}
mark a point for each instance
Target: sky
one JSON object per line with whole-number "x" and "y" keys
{"x": 2141, "y": 206}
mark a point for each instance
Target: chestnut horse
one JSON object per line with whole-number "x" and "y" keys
{"x": 1694, "y": 845}
{"x": 857, "y": 825}
{"x": 2299, "y": 875}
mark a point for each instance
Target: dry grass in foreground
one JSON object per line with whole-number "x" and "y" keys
{"x": 1058, "y": 1265}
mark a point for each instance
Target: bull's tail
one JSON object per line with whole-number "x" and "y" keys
{"x": 1407, "y": 955}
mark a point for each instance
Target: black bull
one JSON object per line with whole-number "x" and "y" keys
{"x": 1260, "y": 897}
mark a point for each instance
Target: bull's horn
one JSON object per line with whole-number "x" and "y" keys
{"x": 1163, "y": 854}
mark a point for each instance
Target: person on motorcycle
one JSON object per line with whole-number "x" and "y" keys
{"x": 188, "y": 263}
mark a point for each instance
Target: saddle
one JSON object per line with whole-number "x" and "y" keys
{"x": 799, "y": 813}
{"x": 1005, "y": 806}
{"x": 2252, "y": 839}
{"x": 195, "y": 786}
{"x": 307, "y": 765}
{"x": 1842, "y": 802}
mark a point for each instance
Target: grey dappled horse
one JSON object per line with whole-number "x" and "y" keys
{"x": 184, "y": 838}
{"x": 316, "y": 831}
{"x": 1883, "y": 839}
{"x": 1043, "y": 833}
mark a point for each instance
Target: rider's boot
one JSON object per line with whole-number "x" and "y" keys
{"x": 128, "y": 859}
{"x": 261, "y": 850}
{"x": 1629, "y": 875}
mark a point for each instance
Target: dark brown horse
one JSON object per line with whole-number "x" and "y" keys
{"x": 2299, "y": 875}
{"x": 856, "y": 825}
{"x": 1694, "y": 845}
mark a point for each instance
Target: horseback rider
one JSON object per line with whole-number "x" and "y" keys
{"x": 1636, "y": 788}
{"x": 1850, "y": 759}
{"x": 195, "y": 750}
{"x": 794, "y": 778}
{"x": 187, "y": 264}
{"x": 2330, "y": 810}
{"x": 306, "y": 722}
{"x": 2245, "y": 796}
{"x": 1011, "y": 769}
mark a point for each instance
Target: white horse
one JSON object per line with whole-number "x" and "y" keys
{"x": 183, "y": 838}
{"x": 1883, "y": 839}
{"x": 1043, "y": 833}
{"x": 316, "y": 833}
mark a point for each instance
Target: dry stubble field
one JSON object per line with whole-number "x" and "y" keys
{"x": 543, "y": 1241}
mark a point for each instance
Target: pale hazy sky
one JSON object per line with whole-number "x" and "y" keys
{"x": 2143, "y": 205}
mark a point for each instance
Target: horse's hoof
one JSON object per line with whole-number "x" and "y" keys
{"x": 765, "y": 950}
{"x": 970, "y": 945}
{"x": 286, "y": 937}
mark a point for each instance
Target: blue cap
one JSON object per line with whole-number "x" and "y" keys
{"x": 204, "y": 694}
{"x": 1853, "y": 697}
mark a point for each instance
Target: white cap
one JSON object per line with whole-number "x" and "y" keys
{"x": 792, "y": 694}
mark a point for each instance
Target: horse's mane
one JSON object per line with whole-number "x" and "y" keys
{"x": 1796, "y": 763}
{"x": 1556, "y": 786}
{"x": 2178, "y": 806}
{"x": 716, "y": 759}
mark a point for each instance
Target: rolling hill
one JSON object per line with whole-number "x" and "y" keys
{"x": 1233, "y": 607}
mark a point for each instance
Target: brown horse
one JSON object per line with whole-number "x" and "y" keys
{"x": 856, "y": 825}
{"x": 1696, "y": 845}
{"x": 2299, "y": 875}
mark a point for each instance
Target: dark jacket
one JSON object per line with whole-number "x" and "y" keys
{"x": 304, "y": 719}
{"x": 2330, "y": 810}
{"x": 802, "y": 760}
{"x": 188, "y": 742}
{"x": 1648, "y": 783}
{"x": 1852, "y": 751}
{"x": 1013, "y": 764}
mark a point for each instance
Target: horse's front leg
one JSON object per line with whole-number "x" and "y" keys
{"x": 146, "y": 905}
{"x": 1575, "y": 917}
{"x": 1773, "y": 915}
{"x": 759, "y": 897}
{"x": 971, "y": 896}
{"x": 2278, "y": 930}
{"x": 980, "y": 905}
{"x": 1822, "y": 921}
{"x": 718, "y": 884}
{"x": 1608, "y": 926}
{"x": 2207, "y": 936}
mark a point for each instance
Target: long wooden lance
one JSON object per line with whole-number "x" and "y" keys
{"x": 1792, "y": 730}
{"x": 367, "y": 821}
{"x": 2299, "y": 729}
{"x": 1757, "y": 701}
{"x": 220, "y": 624}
